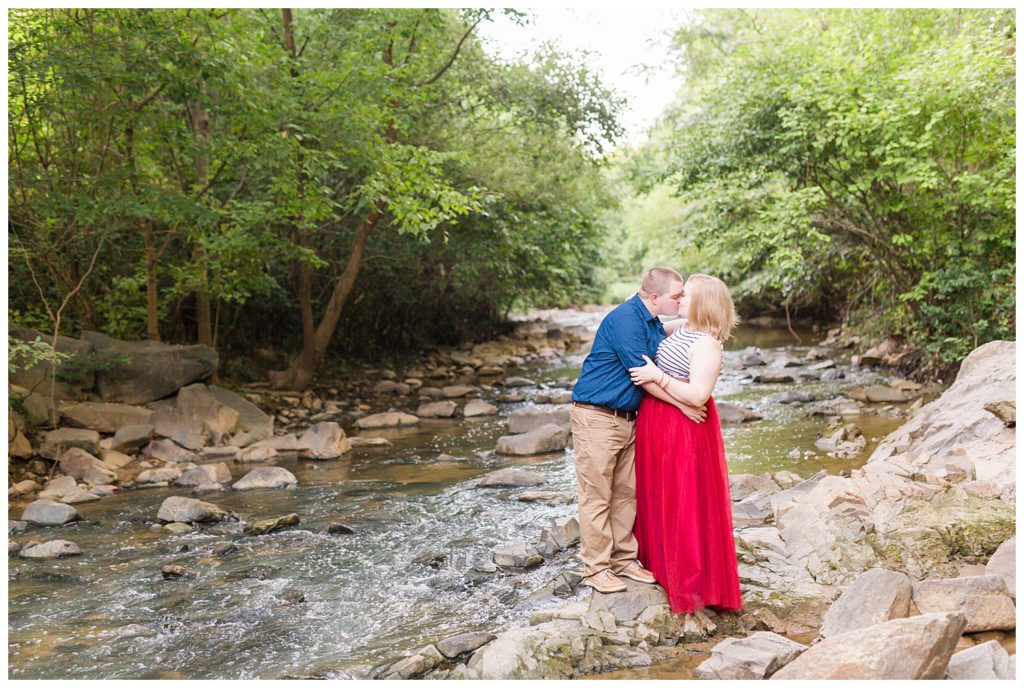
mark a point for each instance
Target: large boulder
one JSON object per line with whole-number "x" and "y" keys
{"x": 984, "y": 601}
{"x": 958, "y": 423}
{"x": 531, "y": 418}
{"x": 253, "y": 424}
{"x": 755, "y": 657}
{"x": 147, "y": 371}
{"x": 390, "y": 419}
{"x": 37, "y": 379}
{"x": 103, "y": 417}
{"x": 545, "y": 439}
{"x": 130, "y": 438}
{"x": 1003, "y": 563}
{"x": 918, "y": 647}
{"x": 166, "y": 450}
{"x": 198, "y": 404}
{"x": 875, "y": 597}
{"x": 82, "y": 465}
{"x": 323, "y": 441}
{"x": 191, "y": 433}
{"x": 266, "y": 477}
{"x": 56, "y": 442}
{"x": 46, "y": 512}
{"x": 185, "y": 510}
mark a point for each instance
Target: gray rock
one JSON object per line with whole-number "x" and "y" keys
{"x": 178, "y": 528}
{"x": 512, "y": 477}
{"x": 562, "y": 534}
{"x": 391, "y": 387}
{"x": 16, "y": 527}
{"x": 54, "y": 549}
{"x": 546, "y": 497}
{"x": 755, "y": 657}
{"x": 543, "y": 440}
{"x": 185, "y": 510}
{"x": 519, "y": 382}
{"x": 437, "y": 409}
{"x": 752, "y": 358}
{"x": 461, "y": 644}
{"x": 773, "y": 376}
{"x": 1003, "y": 563}
{"x": 733, "y": 413}
{"x": 104, "y": 417}
{"x": 742, "y": 485}
{"x": 918, "y": 647}
{"x": 269, "y": 525}
{"x": 266, "y": 477}
{"x": 147, "y": 371}
{"x": 881, "y": 394}
{"x": 82, "y": 465}
{"x": 130, "y": 438}
{"x": 456, "y": 391}
{"x": 58, "y": 441}
{"x": 13, "y": 548}
{"x": 166, "y": 450}
{"x": 875, "y": 597}
{"x": 174, "y": 425}
{"x": 199, "y": 404}
{"x": 983, "y": 662}
{"x": 115, "y": 459}
{"x": 176, "y": 572}
{"x": 369, "y": 442}
{"x": 628, "y": 605}
{"x": 208, "y": 473}
{"x": 478, "y": 407}
{"x": 390, "y": 419}
{"x": 1005, "y": 411}
{"x": 532, "y": 418}
{"x": 253, "y": 424}
{"x": 324, "y": 441}
{"x": 256, "y": 454}
{"x": 754, "y": 509}
{"x": 49, "y": 513}
{"x": 416, "y": 665}
{"x": 522, "y": 556}
{"x": 61, "y": 486}
{"x": 79, "y": 495}
{"x": 166, "y": 474}
{"x": 984, "y": 601}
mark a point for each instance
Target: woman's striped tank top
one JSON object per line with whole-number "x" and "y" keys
{"x": 673, "y": 356}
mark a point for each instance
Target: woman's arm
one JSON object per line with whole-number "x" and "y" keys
{"x": 695, "y": 413}
{"x": 706, "y": 363}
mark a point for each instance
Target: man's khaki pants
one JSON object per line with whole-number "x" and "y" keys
{"x": 604, "y": 447}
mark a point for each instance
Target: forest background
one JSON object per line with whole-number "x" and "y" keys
{"x": 312, "y": 189}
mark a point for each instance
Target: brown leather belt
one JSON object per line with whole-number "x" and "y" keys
{"x": 625, "y": 415}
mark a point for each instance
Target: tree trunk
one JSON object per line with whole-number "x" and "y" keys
{"x": 152, "y": 302}
{"x": 201, "y": 134}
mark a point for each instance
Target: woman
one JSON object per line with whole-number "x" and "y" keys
{"x": 684, "y": 513}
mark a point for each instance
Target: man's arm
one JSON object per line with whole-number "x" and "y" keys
{"x": 694, "y": 413}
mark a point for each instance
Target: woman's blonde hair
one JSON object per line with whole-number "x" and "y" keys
{"x": 711, "y": 307}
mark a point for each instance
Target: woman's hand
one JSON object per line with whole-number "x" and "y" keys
{"x": 646, "y": 373}
{"x": 697, "y": 415}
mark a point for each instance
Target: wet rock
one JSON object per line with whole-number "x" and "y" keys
{"x": 14, "y": 527}
{"x": 1003, "y": 563}
{"x": 546, "y": 497}
{"x": 755, "y": 657}
{"x": 12, "y": 549}
{"x": 437, "y": 409}
{"x": 82, "y": 465}
{"x": 222, "y": 549}
{"x": 341, "y": 529}
{"x": 369, "y": 442}
{"x": 562, "y": 534}
{"x": 510, "y": 397}
{"x": 519, "y": 382}
{"x": 416, "y": 665}
{"x": 543, "y": 440}
{"x": 528, "y": 419}
{"x": 178, "y": 528}
{"x": 185, "y": 510}
{"x": 390, "y": 419}
{"x": 256, "y": 454}
{"x": 880, "y": 394}
{"x": 751, "y": 358}
{"x": 290, "y": 597}
{"x": 463, "y": 643}
{"x": 57, "y": 442}
{"x": 176, "y": 572}
{"x": 521, "y": 556}
{"x": 832, "y": 375}
{"x": 269, "y": 525}
{"x": 915, "y": 648}
{"x": 478, "y": 407}
{"x": 731, "y": 413}
{"x": 166, "y": 450}
{"x": 102, "y": 417}
{"x": 323, "y": 441}
{"x": 988, "y": 661}
{"x": 207, "y": 473}
{"x": 174, "y": 425}
{"x": 875, "y": 597}
{"x": 49, "y": 513}
{"x": 456, "y": 391}
{"x": 1005, "y": 411}
{"x": 984, "y": 601}
{"x": 430, "y": 393}
{"x": 167, "y": 474}
{"x": 822, "y": 365}
{"x": 54, "y": 549}
{"x": 391, "y": 387}
{"x": 79, "y": 495}
{"x": 796, "y": 398}
{"x": 266, "y": 477}
{"x": 773, "y": 377}
{"x": 512, "y": 477}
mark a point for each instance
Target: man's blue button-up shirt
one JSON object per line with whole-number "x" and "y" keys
{"x": 624, "y": 335}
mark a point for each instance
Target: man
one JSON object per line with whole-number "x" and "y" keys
{"x": 604, "y": 405}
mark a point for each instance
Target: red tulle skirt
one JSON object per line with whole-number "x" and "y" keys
{"x": 684, "y": 512}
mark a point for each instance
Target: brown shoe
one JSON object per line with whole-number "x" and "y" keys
{"x": 604, "y": 581}
{"x": 635, "y": 571}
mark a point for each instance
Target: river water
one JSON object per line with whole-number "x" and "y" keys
{"x": 398, "y": 583}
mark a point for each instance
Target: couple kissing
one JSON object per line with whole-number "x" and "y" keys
{"x": 650, "y": 464}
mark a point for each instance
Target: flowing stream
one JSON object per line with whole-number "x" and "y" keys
{"x": 395, "y": 585}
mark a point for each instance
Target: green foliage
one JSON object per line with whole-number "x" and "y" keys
{"x": 80, "y": 367}
{"x": 22, "y": 355}
{"x": 865, "y": 156}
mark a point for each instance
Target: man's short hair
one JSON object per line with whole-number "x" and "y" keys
{"x": 659, "y": 281}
